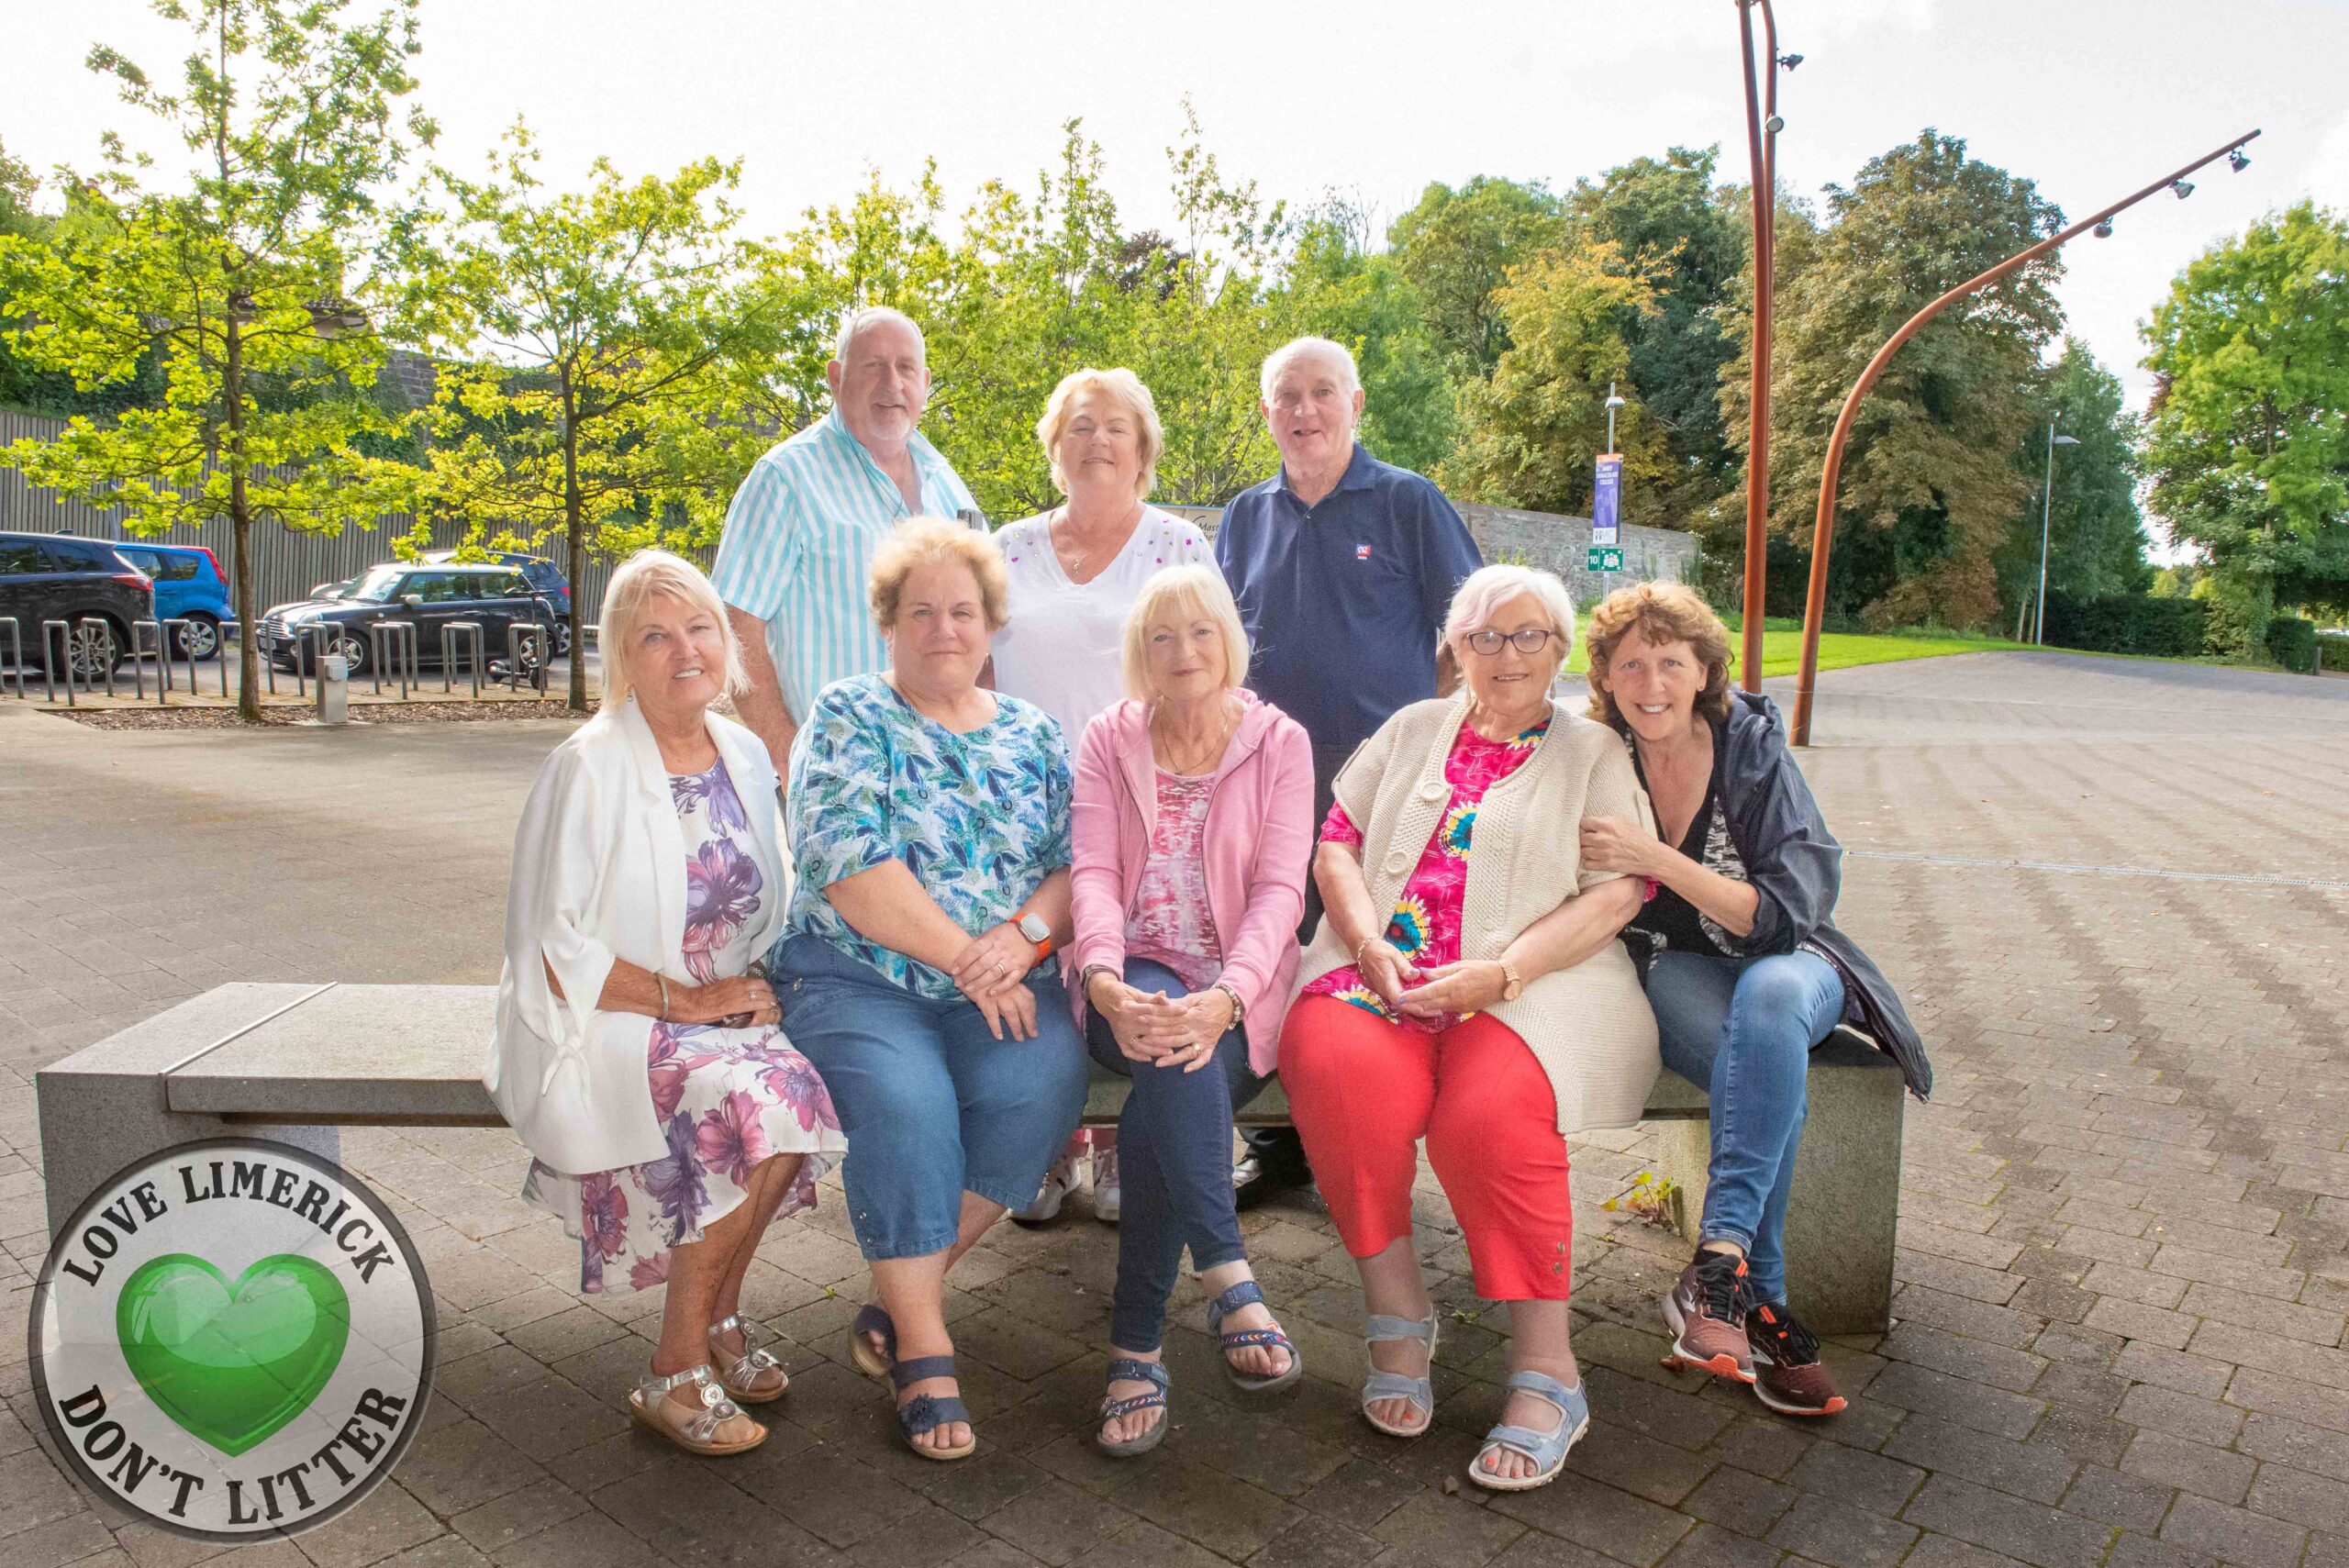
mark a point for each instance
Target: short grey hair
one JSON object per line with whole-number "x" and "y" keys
{"x": 857, "y": 322}
{"x": 642, "y": 575}
{"x": 1295, "y": 349}
{"x": 1489, "y": 587}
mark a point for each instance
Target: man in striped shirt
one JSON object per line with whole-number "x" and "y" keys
{"x": 800, "y": 534}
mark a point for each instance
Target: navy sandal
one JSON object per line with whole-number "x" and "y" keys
{"x": 1245, "y": 1294}
{"x": 871, "y": 1319}
{"x": 927, "y": 1412}
{"x": 1126, "y": 1368}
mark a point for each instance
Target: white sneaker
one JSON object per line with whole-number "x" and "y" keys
{"x": 1058, "y": 1181}
{"x": 1106, "y": 1193}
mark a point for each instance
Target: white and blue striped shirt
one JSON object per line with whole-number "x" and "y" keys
{"x": 798, "y": 548}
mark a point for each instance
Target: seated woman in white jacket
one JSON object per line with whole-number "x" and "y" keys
{"x": 639, "y": 1053}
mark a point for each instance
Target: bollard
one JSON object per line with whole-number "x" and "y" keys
{"x": 64, "y": 657}
{"x": 334, "y": 689}
{"x": 401, "y": 637}
{"x": 169, "y": 638}
{"x": 449, "y": 631}
{"x": 139, "y": 670}
{"x": 105, "y": 651}
{"x": 16, "y": 654}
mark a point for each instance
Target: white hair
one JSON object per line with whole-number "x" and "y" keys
{"x": 644, "y": 575}
{"x": 1489, "y": 587}
{"x": 857, "y": 322}
{"x": 1295, "y": 349}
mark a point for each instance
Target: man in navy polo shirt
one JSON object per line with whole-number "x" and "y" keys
{"x": 1343, "y": 567}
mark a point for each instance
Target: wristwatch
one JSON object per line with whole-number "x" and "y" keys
{"x": 1512, "y": 984}
{"x": 1032, "y": 927}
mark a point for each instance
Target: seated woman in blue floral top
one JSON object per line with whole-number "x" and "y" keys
{"x": 929, "y": 818}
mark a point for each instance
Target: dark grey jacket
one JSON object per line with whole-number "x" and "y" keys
{"x": 1796, "y": 866}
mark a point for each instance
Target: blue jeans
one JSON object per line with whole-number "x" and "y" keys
{"x": 1743, "y": 1029}
{"x": 933, "y": 1105}
{"x": 1174, "y": 1166}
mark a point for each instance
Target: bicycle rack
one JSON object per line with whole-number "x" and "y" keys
{"x": 517, "y": 634}
{"x": 16, "y": 654}
{"x": 64, "y": 657}
{"x": 449, "y": 631}
{"x": 220, "y": 652}
{"x": 105, "y": 630}
{"x": 162, "y": 661}
{"x": 404, "y": 636}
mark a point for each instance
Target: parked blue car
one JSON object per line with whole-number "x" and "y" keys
{"x": 189, "y": 585}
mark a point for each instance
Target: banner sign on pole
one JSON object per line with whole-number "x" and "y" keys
{"x": 1607, "y": 499}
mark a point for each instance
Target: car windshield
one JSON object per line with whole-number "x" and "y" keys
{"x": 375, "y": 588}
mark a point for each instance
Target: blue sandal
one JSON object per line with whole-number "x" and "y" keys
{"x": 1377, "y": 1386}
{"x": 927, "y": 1412}
{"x": 871, "y": 1319}
{"x": 1547, "y": 1450}
{"x": 1246, "y": 1293}
{"x": 1126, "y": 1368}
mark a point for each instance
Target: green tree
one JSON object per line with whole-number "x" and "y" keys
{"x": 584, "y": 340}
{"x": 1531, "y": 431}
{"x": 2248, "y": 441}
{"x": 2096, "y": 536}
{"x": 1930, "y": 486}
{"x": 1338, "y": 289}
{"x": 1456, "y": 248}
{"x": 1689, "y": 243}
{"x": 233, "y": 283}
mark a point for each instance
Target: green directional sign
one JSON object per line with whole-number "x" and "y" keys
{"x": 1603, "y": 558}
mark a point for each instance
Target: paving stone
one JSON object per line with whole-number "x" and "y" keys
{"x": 1843, "y": 1537}
{"x": 1707, "y": 1546}
{"x": 1318, "y": 1542}
{"x": 1739, "y": 1501}
{"x": 2316, "y": 1501}
{"x": 1959, "y": 1356}
{"x": 1980, "y": 1456}
{"x": 2128, "y": 1501}
{"x": 1954, "y": 1399}
{"x": 1432, "y": 1530}
{"x": 2233, "y": 1535}
{"x": 2189, "y": 1466}
{"x": 1200, "y": 1504}
{"x": 1055, "y": 1522}
{"x": 1625, "y": 1527}
{"x": 2276, "y": 1395}
{"x": 1358, "y": 1494}
{"x": 2028, "y": 1532}
{"x": 2296, "y": 1444}
{"x": 1865, "y": 1481}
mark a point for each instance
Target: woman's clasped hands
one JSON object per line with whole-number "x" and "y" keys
{"x": 1166, "y": 1031}
{"x": 992, "y": 970}
{"x": 1469, "y": 987}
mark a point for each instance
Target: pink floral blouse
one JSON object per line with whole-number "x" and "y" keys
{"x": 1171, "y": 923}
{"x": 1426, "y": 924}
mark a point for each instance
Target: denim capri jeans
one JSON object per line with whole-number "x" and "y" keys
{"x": 932, "y": 1104}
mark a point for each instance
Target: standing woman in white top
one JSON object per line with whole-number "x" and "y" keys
{"x": 1075, "y": 572}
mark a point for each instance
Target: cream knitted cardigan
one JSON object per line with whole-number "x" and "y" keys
{"x": 1590, "y": 1025}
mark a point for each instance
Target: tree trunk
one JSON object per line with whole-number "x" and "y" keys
{"x": 232, "y": 383}
{"x": 575, "y": 535}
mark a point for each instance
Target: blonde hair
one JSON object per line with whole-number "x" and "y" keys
{"x": 1197, "y": 588}
{"x": 1661, "y": 613}
{"x": 929, "y": 541}
{"x": 1150, "y": 440}
{"x": 642, "y": 576}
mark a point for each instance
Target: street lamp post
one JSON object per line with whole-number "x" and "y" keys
{"x": 2046, "y": 511}
{"x": 1613, "y": 403}
{"x": 1761, "y": 127}
{"x": 1822, "y": 536}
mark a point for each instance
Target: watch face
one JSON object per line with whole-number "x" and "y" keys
{"x": 1032, "y": 927}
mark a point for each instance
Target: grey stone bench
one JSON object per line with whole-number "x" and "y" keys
{"x": 295, "y": 1063}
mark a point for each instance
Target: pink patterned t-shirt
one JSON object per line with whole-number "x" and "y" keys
{"x": 1171, "y": 923}
{"x": 1425, "y": 927}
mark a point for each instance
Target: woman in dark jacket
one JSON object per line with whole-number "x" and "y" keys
{"x": 1749, "y": 973}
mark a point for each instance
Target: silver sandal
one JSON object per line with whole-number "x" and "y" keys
{"x": 699, "y": 1434}
{"x": 738, "y": 1375}
{"x": 1421, "y": 1390}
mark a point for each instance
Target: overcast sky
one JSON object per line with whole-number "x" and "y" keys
{"x": 2091, "y": 98}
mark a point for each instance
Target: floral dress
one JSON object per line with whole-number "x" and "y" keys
{"x": 1171, "y": 923}
{"x": 1425, "y": 926}
{"x": 727, "y": 1098}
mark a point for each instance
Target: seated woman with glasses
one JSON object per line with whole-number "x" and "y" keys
{"x": 1467, "y": 986}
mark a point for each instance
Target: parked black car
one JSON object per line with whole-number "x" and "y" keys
{"x": 545, "y": 577}
{"x": 46, "y": 577}
{"x": 427, "y": 596}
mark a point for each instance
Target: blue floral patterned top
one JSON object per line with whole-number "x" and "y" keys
{"x": 980, "y": 819}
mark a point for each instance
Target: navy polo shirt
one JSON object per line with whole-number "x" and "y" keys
{"x": 1343, "y": 600}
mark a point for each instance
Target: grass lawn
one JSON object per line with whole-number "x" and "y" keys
{"x": 1782, "y": 647}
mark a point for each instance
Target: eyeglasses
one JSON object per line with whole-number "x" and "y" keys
{"x": 1532, "y": 639}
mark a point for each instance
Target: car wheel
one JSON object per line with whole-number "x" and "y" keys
{"x": 345, "y": 640}
{"x": 199, "y": 639}
{"x": 563, "y": 637}
{"x": 93, "y": 651}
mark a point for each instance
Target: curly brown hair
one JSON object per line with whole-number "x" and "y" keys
{"x": 1661, "y": 613}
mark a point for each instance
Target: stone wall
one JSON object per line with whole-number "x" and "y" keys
{"x": 1558, "y": 543}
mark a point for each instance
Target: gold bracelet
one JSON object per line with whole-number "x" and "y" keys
{"x": 664, "y": 993}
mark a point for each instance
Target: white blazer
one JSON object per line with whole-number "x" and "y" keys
{"x": 599, "y": 874}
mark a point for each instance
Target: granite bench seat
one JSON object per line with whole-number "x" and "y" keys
{"x": 300, "y": 1061}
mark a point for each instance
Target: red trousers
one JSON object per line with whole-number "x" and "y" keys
{"x": 1365, "y": 1091}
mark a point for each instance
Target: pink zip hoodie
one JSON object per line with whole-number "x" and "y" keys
{"x": 1259, "y": 846}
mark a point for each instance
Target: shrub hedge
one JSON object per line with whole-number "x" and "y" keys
{"x": 2291, "y": 643}
{"x": 2131, "y": 623}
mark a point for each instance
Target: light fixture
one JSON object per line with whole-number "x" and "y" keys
{"x": 2238, "y": 159}
{"x": 1789, "y": 61}
{"x": 2183, "y": 188}
{"x": 1615, "y": 402}
{"x": 2066, "y": 442}
{"x": 1774, "y": 125}
{"x": 2103, "y": 231}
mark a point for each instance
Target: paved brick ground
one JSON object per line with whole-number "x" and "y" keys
{"x": 2122, "y": 1277}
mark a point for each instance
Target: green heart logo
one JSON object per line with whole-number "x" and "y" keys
{"x": 232, "y": 1363}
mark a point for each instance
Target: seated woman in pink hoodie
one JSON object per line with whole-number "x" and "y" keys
{"x": 1193, "y": 825}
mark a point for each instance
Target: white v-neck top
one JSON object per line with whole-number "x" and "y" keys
{"x": 1062, "y": 648}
